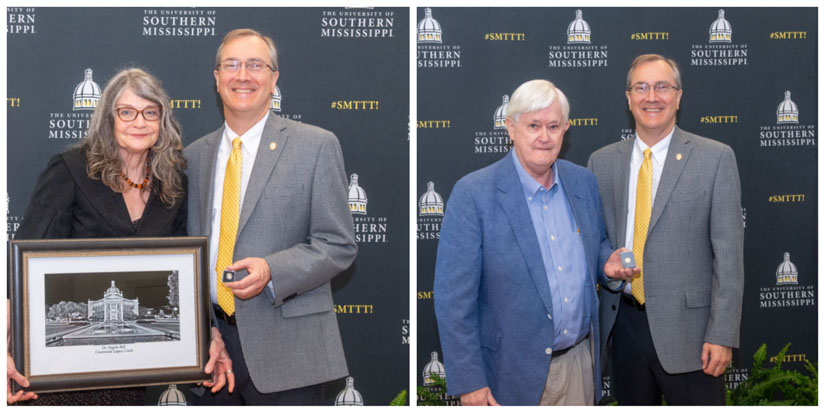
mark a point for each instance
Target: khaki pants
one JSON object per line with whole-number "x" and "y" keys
{"x": 570, "y": 379}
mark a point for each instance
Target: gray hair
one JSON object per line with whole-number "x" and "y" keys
{"x": 535, "y": 95}
{"x": 232, "y": 35}
{"x": 165, "y": 157}
{"x": 651, "y": 57}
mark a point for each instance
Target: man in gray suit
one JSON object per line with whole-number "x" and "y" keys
{"x": 271, "y": 195}
{"x": 674, "y": 198}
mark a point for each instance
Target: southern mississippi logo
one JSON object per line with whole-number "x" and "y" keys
{"x": 787, "y": 292}
{"x": 432, "y": 52}
{"x": 578, "y": 52}
{"x": 349, "y": 396}
{"x": 353, "y": 23}
{"x": 787, "y": 131}
{"x": 367, "y": 229}
{"x": 496, "y": 140}
{"x": 720, "y": 50}
{"x": 430, "y": 213}
{"x": 435, "y": 368}
{"x": 20, "y": 20}
{"x": 74, "y": 124}
{"x": 178, "y": 23}
{"x": 172, "y": 397}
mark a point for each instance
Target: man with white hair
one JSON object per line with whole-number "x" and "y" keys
{"x": 521, "y": 249}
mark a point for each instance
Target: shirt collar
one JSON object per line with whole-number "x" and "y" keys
{"x": 659, "y": 149}
{"x": 250, "y": 139}
{"x": 528, "y": 184}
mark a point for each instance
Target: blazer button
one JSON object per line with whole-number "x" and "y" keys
{"x": 550, "y": 316}
{"x": 613, "y": 307}
{"x": 548, "y": 351}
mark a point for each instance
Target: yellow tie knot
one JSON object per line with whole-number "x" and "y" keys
{"x": 648, "y": 154}
{"x": 236, "y": 144}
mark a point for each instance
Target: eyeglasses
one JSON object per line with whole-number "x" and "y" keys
{"x": 661, "y": 88}
{"x": 128, "y": 113}
{"x": 252, "y": 66}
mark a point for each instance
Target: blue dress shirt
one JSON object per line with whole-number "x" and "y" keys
{"x": 563, "y": 254}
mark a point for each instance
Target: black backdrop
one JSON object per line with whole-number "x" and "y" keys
{"x": 344, "y": 69}
{"x": 733, "y": 91}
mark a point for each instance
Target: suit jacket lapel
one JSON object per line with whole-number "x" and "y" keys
{"x": 206, "y": 181}
{"x": 625, "y": 150}
{"x": 273, "y": 139}
{"x": 680, "y": 144}
{"x": 511, "y": 199}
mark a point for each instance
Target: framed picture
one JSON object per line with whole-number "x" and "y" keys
{"x": 104, "y": 313}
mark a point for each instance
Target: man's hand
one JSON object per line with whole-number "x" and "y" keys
{"x": 715, "y": 359}
{"x": 613, "y": 267}
{"x": 480, "y": 397}
{"x": 13, "y": 374}
{"x": 219, "y": 364}
{"x": 254, "y": 282}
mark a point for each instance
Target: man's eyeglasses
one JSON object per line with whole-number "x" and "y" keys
{"x": 660, "y": 88}
{"x": 128, "y": 113}
{"x": 252, "y": 66}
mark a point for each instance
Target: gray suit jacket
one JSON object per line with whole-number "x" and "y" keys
{"x": 693, "y": 259}
{"x": 294, "y": 215}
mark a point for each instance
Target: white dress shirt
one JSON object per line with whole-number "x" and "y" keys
{"x": 249, "y": 149}
{"x": 636, "y": 158}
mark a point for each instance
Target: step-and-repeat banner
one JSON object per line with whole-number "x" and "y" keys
{"x": 750, "y": 81}
{"x": 343, "y": 69}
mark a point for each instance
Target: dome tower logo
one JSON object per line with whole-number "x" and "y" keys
{"x": 430, "y": 204}
{"x": 349, "y": 396}
{"x": 429, "y": 29}
{"x": 720, "y": 30}
{"x": 275, "y": 105}
{"x": 500, "y": 117}
{"x": 86, "y": 94}
{"x": 357, "y": 197}
{"x": 578, "y": 31}
{"x": 787, "y": 112}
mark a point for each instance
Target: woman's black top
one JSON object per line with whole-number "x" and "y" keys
{"x": 66, "y": 203}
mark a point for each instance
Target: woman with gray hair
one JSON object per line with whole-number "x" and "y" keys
{"x": 125, "y": 179}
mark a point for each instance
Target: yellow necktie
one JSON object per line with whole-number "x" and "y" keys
{"x": 230, "y": 215}
{"x": 644, "y": 191}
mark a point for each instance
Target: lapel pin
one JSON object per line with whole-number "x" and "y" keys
{"x": 273, "y": 145}
{"x": 678, "y": 156}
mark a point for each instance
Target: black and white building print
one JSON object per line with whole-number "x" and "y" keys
{"x": 111, "y": 308}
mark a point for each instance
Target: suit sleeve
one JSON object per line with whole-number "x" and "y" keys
{"x": 456, "y": 290}
{"x": 727, "y": 238}
{"x": 330, "y": 247}
{"x": 49, "y": 213}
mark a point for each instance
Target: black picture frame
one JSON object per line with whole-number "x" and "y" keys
{"x": 178, "y": 251}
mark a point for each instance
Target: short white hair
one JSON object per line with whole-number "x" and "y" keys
{"x": 536, "y": 95}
